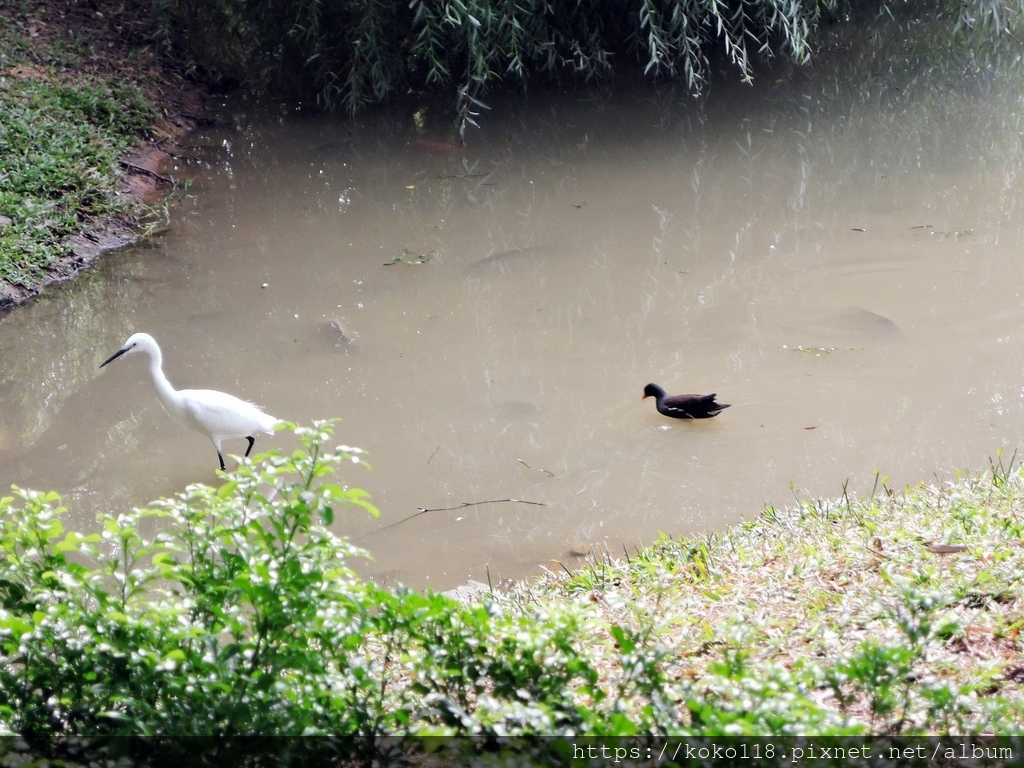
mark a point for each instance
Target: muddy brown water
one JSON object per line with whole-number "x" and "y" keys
{"x": 837, "y": 255}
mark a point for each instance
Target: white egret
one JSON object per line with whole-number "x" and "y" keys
{"x": 217, "y": 415}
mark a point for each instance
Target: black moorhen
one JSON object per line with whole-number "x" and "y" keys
{"x": 684, "y": 406}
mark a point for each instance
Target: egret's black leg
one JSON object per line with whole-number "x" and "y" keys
{"x": 251, "y": 440}
{"x": 222, "y": 467}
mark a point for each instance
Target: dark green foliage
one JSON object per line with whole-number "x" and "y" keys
{"x": 346, "y": 53}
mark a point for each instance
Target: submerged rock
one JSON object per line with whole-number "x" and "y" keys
{"x": 336, "y": 333}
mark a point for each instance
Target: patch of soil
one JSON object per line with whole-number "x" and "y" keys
{"x": 119, "y": 41}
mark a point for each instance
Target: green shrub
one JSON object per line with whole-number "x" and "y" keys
{"x": 216, "y": 624}
{"x": 233, "y": 611}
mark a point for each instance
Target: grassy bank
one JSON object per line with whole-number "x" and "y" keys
{"x": 900, "y": 613}
{"x": 891, "y": 616}
{"x": 76, "y": 96}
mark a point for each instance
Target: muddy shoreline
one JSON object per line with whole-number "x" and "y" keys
{"x": 144, "y": 179}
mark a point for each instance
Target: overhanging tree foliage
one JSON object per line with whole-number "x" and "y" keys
{"x": 347, "y": 53}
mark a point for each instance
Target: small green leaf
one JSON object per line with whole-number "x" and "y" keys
{"x": 625, "y": 643}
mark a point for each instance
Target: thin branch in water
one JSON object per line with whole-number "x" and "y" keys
{"x": 392, "y": 525}
{"x": 477, "y": 503}
{"x": 424, "y": 510}
{"x": 536, "y": 469}
{"x": 433, "y": 454}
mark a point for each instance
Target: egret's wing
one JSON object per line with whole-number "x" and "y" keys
{"x": 219, "y": 414}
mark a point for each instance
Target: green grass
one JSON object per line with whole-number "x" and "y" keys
{"x": 889, "y": 615}
{"x": 61, "y": 137}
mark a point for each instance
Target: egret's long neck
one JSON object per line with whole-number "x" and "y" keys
{"x": 164, "y": 389}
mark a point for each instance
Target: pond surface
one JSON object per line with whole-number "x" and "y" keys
{"x": 835, "y": 251}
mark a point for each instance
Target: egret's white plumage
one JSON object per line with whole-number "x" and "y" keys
{"x": 217, "y": 415}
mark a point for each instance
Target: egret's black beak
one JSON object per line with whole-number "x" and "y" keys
{"x": 114, "y": 356}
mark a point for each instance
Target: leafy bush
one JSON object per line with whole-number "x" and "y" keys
{"x": 239, "y": 615}
{"x": 216, "y": 624}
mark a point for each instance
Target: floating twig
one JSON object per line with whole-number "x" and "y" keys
{"x": 433, "y": 454}
{"x": 477, "y": 503}
{"x": 536, "y": 469}
{"x": 424, "y": 510}
{"x": 408, "y": 257}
